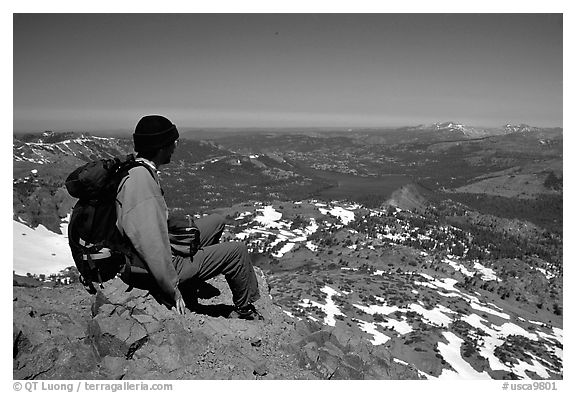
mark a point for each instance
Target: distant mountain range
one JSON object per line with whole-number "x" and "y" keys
{"x": 50, "y": 147}
{"x": 466, "y": 131}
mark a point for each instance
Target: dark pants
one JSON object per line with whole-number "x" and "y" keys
{"x": 230, "y": 259}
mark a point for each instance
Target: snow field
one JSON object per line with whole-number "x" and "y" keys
{"x": 270, "y": 223}
{"x": 330, "y": 308}
{"x": 492, "y": 337}
{"x": 451, "y": 353}
{"x": 39, "y": 251}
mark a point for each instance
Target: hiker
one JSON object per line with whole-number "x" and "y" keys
{"x": 143, "y": 217}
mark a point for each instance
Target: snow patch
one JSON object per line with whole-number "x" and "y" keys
{"x": 451, "y": 353}
{"x": 311, "y": 246}
{"x": 40, "y": 251}
{"x": 436, "y": 316}
{"x": 479, "y": 307}
{"x": 346, "y": 216}
{"x": 402, "y": 327}
{"x": 269, "y": 217}
{"x": 330, "y": 308}
{"x": 459, "y": 267}
{"x": 372, "y": 328}
{"x": 286, "y": 248}
{"x": 487, "y": 273}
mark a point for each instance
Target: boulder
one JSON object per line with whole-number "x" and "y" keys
{"x": 62, "y": 332}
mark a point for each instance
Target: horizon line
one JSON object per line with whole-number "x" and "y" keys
{"x": 225, "y": 127}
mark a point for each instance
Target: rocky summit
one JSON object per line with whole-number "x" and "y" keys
{"x": 64, "y": 333}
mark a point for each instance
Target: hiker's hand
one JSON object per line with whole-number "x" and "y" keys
{"x": 180, "y": 305}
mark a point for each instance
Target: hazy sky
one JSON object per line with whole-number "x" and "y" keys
{"x": 104, "y": 71}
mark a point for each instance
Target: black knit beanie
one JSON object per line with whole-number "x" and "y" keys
{"x": 154, "y": 132}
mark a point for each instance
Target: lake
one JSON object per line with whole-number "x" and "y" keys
{"x": 354, "y": 187}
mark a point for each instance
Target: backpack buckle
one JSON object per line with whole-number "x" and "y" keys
{"x": 103, "y": 253}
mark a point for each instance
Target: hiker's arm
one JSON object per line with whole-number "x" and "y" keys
{"x": 145, "y": 226}
{"x": 143, "y": 219}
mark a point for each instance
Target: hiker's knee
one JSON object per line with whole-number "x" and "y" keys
{"x": 241, "y": 247}
{"x": 240, "y": 250}
{"x": 216, "y": 221}
{"x": 220, "y": 221}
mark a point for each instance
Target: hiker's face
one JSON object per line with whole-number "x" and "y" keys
{"x": 168, "y": 151}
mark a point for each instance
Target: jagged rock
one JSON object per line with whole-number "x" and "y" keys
{"x": 49, "y": 335}
{"x": 64, "y": 333}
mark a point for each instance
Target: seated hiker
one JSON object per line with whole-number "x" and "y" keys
{"x": 143, "y": 217}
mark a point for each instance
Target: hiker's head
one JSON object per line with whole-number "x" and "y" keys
{"x": 155, "y": 138}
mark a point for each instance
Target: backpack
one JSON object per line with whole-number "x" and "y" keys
{"x": 184, "y": 235}
{"x": 98, "y": 248}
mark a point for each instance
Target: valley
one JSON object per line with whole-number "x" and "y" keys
{"x": 439, "y": 246}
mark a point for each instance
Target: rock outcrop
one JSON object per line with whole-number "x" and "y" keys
{"x": 63, "y": 333}
{"x": 409, "y": 197}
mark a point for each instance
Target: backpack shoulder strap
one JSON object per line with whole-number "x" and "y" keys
{"x": 123, "y": 172}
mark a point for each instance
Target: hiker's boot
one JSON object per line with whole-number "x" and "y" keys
{"x": 248, "y": 312}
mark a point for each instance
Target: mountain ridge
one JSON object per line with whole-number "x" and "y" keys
{"x": 432, "y": 285}
{"x": 399, "y": 296}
